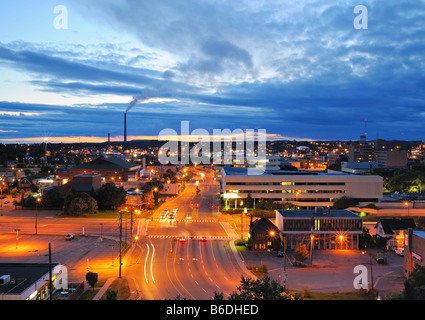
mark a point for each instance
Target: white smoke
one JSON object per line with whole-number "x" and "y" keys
{"x": 146, "y": 95}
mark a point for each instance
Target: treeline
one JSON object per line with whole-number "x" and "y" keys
{"x": 402, "y": 180}
{"x": 109, "y": 197}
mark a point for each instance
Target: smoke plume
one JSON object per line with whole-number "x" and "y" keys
{"x": 139, "y": 99}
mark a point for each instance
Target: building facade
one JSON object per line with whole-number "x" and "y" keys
{"x": 263, "y": 235}
{"x": 305, "y": 190}
{"x": 414, "y": 250}
{"x": 325, "y": 229}
{"x": 392, "y": 230}
{"x": 30, "y": 281}
{"x": 110, "y": 169}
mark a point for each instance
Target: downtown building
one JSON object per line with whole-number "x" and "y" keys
{"x": 304, "y": 189}
{"x": 322, "y": 229}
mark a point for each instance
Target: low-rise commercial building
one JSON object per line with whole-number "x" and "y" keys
{"x": 110, "y": 169}
{"x": 326, "y": 229}
{"x": 30, "y": 281}
{"x": 414, "y": 250}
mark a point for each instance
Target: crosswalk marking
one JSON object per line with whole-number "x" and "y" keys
{"x": 185, "y": 220}
{"x": 190, "y": 237}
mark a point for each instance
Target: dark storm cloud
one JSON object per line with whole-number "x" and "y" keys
{"x": 295, "y": 68}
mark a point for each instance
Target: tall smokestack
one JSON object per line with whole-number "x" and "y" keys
{"x": 125, "y": 127}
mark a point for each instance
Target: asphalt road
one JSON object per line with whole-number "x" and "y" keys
{"x": 164, "y": 267}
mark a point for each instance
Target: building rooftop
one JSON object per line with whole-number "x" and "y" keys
{"x": 391, "y": 224}
{"x": 262, "y": 225}
{"x": 24, "y": 275}
{"x": 107, "y": 163}
{"x": 419, "y": 233}
{"x": 333, "y": 213}
{"x": 231, "y": 171}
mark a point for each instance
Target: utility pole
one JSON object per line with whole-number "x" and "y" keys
{"x": 120, "y": 243}
{"x": 131, "y": 225}
{"x": 50, "y": 272}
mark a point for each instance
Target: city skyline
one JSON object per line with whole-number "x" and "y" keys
{"x": 301, "y": 71}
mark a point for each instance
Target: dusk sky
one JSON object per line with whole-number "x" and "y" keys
{"x": 299, "y": 69}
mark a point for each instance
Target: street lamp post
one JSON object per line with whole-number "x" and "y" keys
{"x": 119, "y": 275}
{"x": 17, "y": 237}
{"x": 311, "y": 248}
{"x": 407, "y": 205}
{"x": 36, "y": 213}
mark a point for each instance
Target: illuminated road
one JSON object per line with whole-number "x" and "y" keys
{"x": 192, "y": 269}
{"x": 165, "y": 267}
{"x": 161, "y": 266}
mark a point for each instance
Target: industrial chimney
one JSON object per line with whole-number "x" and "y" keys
{"x": 125, "y": 127}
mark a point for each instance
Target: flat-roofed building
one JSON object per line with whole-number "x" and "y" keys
{"x": 110, "y": 169}
{"x": 326, "y": 229}
{"x": 414, "y": 250}
{"x": 304, "y": 189}
{"x": 30, "y": 281}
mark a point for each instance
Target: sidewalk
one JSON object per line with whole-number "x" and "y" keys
{"x": 102, "y": 290}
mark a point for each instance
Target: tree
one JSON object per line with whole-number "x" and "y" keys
{"x": 91, "y": 279}
{"x": 301, "y": 253}
{"x": 110, "y": 197}
{"x": 345, "y": 202}
{"x": 77, "y": 204}
{"x": 149, "y": 193}
{"x": 414, "y": 287}
{"x": 53, "y": 199}
{"x": 170, "y": 175}
{"x": 260, "y": 289}
{"x": 111, "y": 294}
{"x": 421, "y": 223}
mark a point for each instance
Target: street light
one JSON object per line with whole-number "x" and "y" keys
{"x": 341, "y": 239}
{"x": 407, "y": 205}
{"x": 36, "y": 212}
{"x": 311, "y": 248}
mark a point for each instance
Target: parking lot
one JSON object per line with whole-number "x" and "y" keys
{"x": 333, "y": 270}
{"x": 79, "y": 255}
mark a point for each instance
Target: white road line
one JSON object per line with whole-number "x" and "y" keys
{"x": 153, "y": 254}
{"x": 146, "y": 260}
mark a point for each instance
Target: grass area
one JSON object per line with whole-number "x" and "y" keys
{"x": 240, "y": 245}
{"x": 349, "y": 295}
{"x": 120, "y": 285}
{"x": 89, "y": 294}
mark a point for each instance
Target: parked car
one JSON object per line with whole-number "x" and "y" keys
{"x": 280, "y": 254}
{"x": 380, "y": 259}
{"x": 69, "y": 236}
{"x": 399, "y": 251}
{"x": 6, "y": 202}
